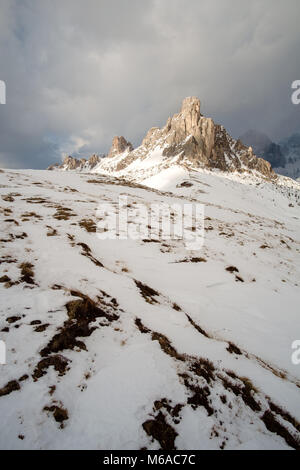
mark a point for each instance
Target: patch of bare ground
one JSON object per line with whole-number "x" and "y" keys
{"x": 163, "y": 341}
{"x": 21, "y": 236}
{"x": 192, "y": 260}
{"x": 246, "y": 390}
{"x": 161, "y": 431}
{"x": 13, "y": 319}
{"x": 227, "y": 235}
{"x": 176, "y": 307}
{"x": 94, "y": 181}
{"x": 23, "y": 377}
{"x": 199, "y": 395}
{"x": 63, "y": 213}
{"x": 283, "y": 242}
{"x": 59, "y": 413}
{"x": 173, "y": 411}
{"x": 8, "y": 260}
{"x": 8, "y": 240}
{"x": 232, "y": 269}
{"x": 184, "y": 184}
{"x": 27, "y": 273}
{"x": 197, "y": 327}
{"x": 12, "y": 237}
{"x": 6, "y": 211}
{"x": 271, "y": 423}
{"x": 11, "y": 221}
{"x": 41, "y": 328}
{"x": 30, "y": 215}
{"x": 147, "y": 292}
{"x": 81, "y": 313}
{"x": 233, "y": 349}
{"x": 59, "y": 362}
{"x": 70, "y": 190}
{"x": 35, "y": 200}
{"x": 88, "y": 224}
{"x": 8, "y": 197}
{"x": 52, "y": 232}
{"x": 86, "y": 251}
{"x": 203, "y": 368}
{"x": 10, "y": 387}
{"x": 284, "y": 414}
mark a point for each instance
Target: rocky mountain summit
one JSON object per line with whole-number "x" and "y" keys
{"x": 188, "y": 139}
{"x": 119, "y": 145}
{"x": 72, "y": 163}
{"x": 191, "y": 140}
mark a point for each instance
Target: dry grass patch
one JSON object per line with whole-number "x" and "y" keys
{"x": 88, "y": 224}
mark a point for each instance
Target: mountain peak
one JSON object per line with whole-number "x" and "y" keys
{"x": 188, "y": 139}
{"x": 119, "y": 145}
{"x": 191, "y": 103}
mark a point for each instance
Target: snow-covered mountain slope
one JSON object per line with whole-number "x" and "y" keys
{"x": 141, "y": 343}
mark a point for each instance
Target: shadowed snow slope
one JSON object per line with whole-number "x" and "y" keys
{"x": 140, "y": 343}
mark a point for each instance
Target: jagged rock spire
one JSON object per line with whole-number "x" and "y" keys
{"x": 188, "y": 139}
{"x": 119, "y": 145}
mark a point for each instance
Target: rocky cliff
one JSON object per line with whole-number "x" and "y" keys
{"x": 119, "y": 145}
{"x": 189, "y": 139}
{"x": 72, "y": 163}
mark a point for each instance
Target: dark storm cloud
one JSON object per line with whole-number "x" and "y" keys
{"x": 79, "y": 72}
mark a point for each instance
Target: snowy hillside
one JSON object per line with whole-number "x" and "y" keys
{"x": 136, "y": 344}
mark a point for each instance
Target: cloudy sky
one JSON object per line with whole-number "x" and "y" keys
{"x": 79, "y": 72}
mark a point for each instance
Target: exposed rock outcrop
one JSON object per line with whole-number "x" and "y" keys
{"x": 72, "y": 163}
{"x": 119, "y": 145}
{"x": 192, "y": 140}
{"x": 188, "y": 139}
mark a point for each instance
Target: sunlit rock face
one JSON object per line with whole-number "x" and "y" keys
{"x": 188, "y": 139}
{"x": 119, "y": 145}
{"x": 191, "y": 139}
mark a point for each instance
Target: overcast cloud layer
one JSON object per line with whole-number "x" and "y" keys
{"x": 79, "y": 72}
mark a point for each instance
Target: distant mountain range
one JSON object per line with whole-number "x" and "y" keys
{"x": 284, "y": 156}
